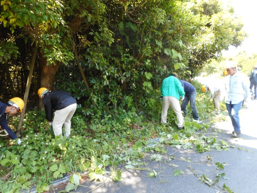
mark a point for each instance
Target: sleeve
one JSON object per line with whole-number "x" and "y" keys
{"x": 246, "y": 87}
{"x": 180, "y": 88}
{"x": 4, "y": 125}
{"x": 2, "y": 108}
{"x": 211, "y": 92}
{"x": 48, "y": 108}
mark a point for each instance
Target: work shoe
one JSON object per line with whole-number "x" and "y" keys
{"x": 180, "y": 128}
{"x": 236, "y": 134}
{"x": 199, "y": 122}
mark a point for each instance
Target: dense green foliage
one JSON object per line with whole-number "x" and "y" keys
{"x": 126, "y": 48}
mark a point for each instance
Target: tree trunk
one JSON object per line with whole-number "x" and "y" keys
{"x": 48, "y": 73}
{"x": 32, "y": 64}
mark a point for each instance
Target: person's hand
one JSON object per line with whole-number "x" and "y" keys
{"x": 19, "y": 141}
{"x": 182, "y": 98}
{"x": 50, "y": 123}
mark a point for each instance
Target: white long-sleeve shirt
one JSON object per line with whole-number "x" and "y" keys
{"x": 236, "y": 88}
{"x": 215, "y": 87}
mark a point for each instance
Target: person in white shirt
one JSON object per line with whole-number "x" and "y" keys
{"x": 236, "y": 92}
{"x": 216, "y": 93}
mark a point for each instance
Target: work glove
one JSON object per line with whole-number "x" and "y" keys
{"x": 19, "y": 141}
{"x": 50, "y": 123}
{"x": 182, "y": 98}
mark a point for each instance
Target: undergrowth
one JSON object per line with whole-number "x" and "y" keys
{"x": 118, "y": 137}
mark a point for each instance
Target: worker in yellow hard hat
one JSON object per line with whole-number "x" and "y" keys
{"x": 60, "y": 107}
{"x": 14, "y": 106}
{"x": 216, "y": 93}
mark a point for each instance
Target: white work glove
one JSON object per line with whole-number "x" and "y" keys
{"x": 19, "y": 141}
{"x": 182, "y": 98}
{"x": 50, "y": 123}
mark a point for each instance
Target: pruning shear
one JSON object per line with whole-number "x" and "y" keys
{"x": 3, "y": 131}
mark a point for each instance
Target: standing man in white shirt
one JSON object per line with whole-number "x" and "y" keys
{"x": 237, "y": 90}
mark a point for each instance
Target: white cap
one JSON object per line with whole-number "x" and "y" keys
{"x": 231, "y": 64}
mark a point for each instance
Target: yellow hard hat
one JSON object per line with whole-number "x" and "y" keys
{"x": 203, "y": 88}
{"x": 42, "y": 91}
{"x": 225, "y": 73}
{"x": 18, "y": 102}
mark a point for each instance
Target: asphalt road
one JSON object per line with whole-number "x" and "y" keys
{"x": 239, "y": 173}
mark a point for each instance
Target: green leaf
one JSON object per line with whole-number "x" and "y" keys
{"x": 56, "y": 174}
{"x": 5, "y": 7}
{"x": 93, "y": 162}
{"x": 174, "y": 53}
{"x": 121, "y": 26}
{"x": 175, "y": 136}
{"x": 168, "y": 52}
{"x": 148, "y": 75}
{"x": 53, "y": 167}
{"x": 62, "y": 169}
{"x": 177, "y": 66}
{"x": 4, "y": 162}
{"x": 76, "y": 179}
{"x": 178, "y": 172}
{"x": 227, "y": 188}
{"x": 70, "y": 187}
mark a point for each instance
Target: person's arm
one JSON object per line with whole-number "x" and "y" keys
{"x": 4, "y": 125}
{"x": 246, "y": 87}
{"x": 211, "y": 89}
{"x": 3, "y": 107}
{"x": 180, "y": 88}
{"x": 48, "y": 108}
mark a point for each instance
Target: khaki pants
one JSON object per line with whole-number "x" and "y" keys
{"x": 175, "y": 105}
{"x": 216, "y": 101}
{"x": 63, "y": 117}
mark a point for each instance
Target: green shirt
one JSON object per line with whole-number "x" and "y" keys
{"x": 171, "y": 86}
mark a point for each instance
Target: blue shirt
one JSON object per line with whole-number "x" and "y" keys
{"x": 3, "y": 121}
{"x": 2, "y": 108}
{"x": 188, "y": 87}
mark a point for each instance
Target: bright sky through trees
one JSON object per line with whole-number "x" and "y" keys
{"x": 246, "y": 9}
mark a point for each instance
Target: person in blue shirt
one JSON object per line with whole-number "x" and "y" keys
{"x": 14, "y": 106}
{"x": 190, "y": 95}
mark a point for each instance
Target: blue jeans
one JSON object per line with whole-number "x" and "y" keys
{"x": 255, "y": 90}
{"x": 233, "y": 110}
{"x": 251, "y": 88}
{"x": 190, "y": 97}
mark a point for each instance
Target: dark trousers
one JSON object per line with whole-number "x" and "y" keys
{"x": 190, "y": 97}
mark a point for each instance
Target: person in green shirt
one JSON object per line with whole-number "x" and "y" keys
{"x": 172, "y": 90}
